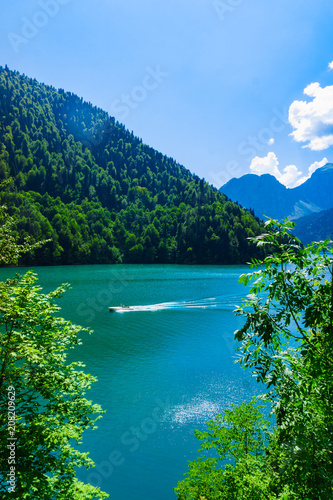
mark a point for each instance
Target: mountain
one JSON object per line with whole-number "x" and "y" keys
{"x": 265, "y": 195}
{"x": 318, "y": 190}
{"x": 100, "y": 194}
{"x": 315, "y": 227}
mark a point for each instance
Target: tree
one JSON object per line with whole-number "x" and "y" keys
{"x": 287, "y": 342}
{"x": 236, "y": 469}
{"x": 43, "y": 394}
{"x": 10, "y": 250}
{"x": 43, "y": 408}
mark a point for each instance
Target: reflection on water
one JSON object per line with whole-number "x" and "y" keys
{"x": 195, "y": 411}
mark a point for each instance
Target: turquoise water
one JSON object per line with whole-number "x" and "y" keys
{"x": 163, "y": 368}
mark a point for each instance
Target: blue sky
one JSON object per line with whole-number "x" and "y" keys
{"x": 216, "y": 84}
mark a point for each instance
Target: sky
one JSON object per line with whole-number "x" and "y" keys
{"x": 225, "y": 87}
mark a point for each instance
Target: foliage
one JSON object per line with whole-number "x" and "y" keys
{"x": 287, "y": 342}
{"x": 100, "y": 194}
{"x": 43, "y": 408}
{"x": 10, "y": 249}
{"x": 237, "y": 470}
{"x": 51, "y": 411}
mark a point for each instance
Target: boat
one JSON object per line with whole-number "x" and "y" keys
{"x": 120, "y": 308}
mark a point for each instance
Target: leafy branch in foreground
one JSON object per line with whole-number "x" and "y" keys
{"x": 50, "y": 408}
{"x": 287, "y": 343}
{"x": 234, "y": 465}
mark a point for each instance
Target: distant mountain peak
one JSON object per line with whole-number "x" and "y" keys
{"x": 262, "y": 193}
{"x": 266, "y": 195}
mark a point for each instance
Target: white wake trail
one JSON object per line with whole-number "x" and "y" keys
{"x": 223, "y": 302}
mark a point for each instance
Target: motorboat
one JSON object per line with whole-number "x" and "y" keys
{"x": 120, "y": 308}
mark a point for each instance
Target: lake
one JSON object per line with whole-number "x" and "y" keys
{"x": 163, "y": 369}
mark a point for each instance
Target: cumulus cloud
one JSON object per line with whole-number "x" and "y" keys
{"x": 266, "y": 165}
{"x": 271, "y": 141}
{"x": 269, "y": 165}
{"x": 313, "y": 121}
{"x": 289, "y": 176}
{"x": 312, "y": 168}
{"x": 330, "y": 65}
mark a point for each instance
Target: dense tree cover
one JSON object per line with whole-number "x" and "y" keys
{"x": 287, "y": 341}
{"x": 10, "y": 249}
{"x": 43, "y": 408}
{"x": 101, "y": 194}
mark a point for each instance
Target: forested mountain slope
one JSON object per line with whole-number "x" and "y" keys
{"x": 100, "y": 194}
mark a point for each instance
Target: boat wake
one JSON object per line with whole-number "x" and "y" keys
{"x": 214, "y": 303}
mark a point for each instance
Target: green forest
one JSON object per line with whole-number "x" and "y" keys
{"x": 98, "y": 194}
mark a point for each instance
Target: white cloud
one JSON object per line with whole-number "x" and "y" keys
{"x": 269, "y": 165}
{"x": 290, "y": 175}
{"x": 313, "y": 121}
{"x": 312, "y": 168}
{"x": 271, "y": 141}
{"x": 266, "y": 165}
{"x": 330, "y": 65}
{"x": 316, "y": 165}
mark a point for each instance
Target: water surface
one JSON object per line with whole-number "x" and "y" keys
{"x": 164, "y": 367}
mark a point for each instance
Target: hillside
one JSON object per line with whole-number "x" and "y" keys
{"x": 318, "y": 190}
{"x": 100, "y": 194}
{"x": 315, "y": 227}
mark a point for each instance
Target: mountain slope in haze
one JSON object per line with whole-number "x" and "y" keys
{"x": 100, "y": 194}
{"x": 318, "y": 190}
{"x": 315, "y": 227}
{"x": 265, "y": 195}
